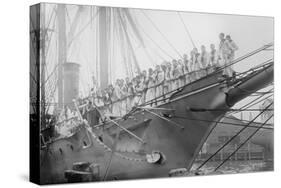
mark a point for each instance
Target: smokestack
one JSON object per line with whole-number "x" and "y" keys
{"x": 70, "y": 83}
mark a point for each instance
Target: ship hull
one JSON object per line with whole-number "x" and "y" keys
{"x": 178, "y": 146}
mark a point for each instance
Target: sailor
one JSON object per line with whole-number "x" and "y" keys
{"x": 106, "y": 101}
{"x": 168, "y": 75}
{"x": 92, "y": 91}
{"x": 180, "y": 68}
{"x": 224, "y": 52}
{"x": 139, "y": 89}
{"x": 203, "y": 60}
{"x": 142, "y": 88}
{"x": 191, "y": 66}
{"x": 186, "y": 69}
{"x": 65, "y": 113}
{"x": 165, "y": 84}
{"x": 186, "y": 63}
{"x": 221, "y": 47}
{"x": 93, "y": 114}
{"x": 232, "y": 48}
{"x": 103, "y": 101}
{"x": 99, "y": 99}
{"x": 159, "y": 80}
{"x": 110, "y": 94}
{"x": 145, "y": 82}
{"x": 203, "y": 57}
{"x": 130, "y": 98}
{"x": 150, "y": 94}
{"x": 213, "y": 57}
{"x": 116, "y": 96}
{"x": 196, "y": 64}
{"x": 124, "y": 93}
{"x": 134, "y": 86}
{"x": 127, "y": 100}
{"x": 177, "y": 73}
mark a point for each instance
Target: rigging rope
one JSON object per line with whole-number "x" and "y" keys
{"x": 247, "y": 121}
{"x": 209, "y": 75}
{"x": 225, "y": 109}
{"x": 144, "y": 49}
{"x": 232, "y": 138}
{"x": 155, "y": 43}
{"x": 125, "y": 32}
{"x": 253, "y": 134}
{"x": 54, "y": 26}
{"x": 186, "y": 30}
{"x": 155, "y": 26}
{"x": 53, "y": 11}
{"x": 222, "y": 123}
{"x": 85, "y": 26}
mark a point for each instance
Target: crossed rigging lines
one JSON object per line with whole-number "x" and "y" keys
{"x": 233, "y": 137}
{"x": 150, "y": 20}
{"x": 186, "y": 30}
{"x": 161, "y": 33}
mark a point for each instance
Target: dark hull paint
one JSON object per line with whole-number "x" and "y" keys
{"x": 179, "y": 146}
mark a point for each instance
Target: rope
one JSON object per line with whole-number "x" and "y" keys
{"x": 241, "y": 145}
{"x": 154, "y": 25}
{"x": 247, "y": 121}
{"x": 221, "y": 123}
{"x": 51, "y": 16}
{"x": 232, "y": 138}
{"x": 85, "y": 26}
{"x": 222, "y": 81}
{"x": 186, "y": 30}
{"x": 155, "y": 43}
{"x": 50, "y": 75}
{"x": 53, "y": 28}
{"x": 230, "y": 110}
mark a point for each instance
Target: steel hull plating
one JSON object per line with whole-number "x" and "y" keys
{"x": 159, "y": 129}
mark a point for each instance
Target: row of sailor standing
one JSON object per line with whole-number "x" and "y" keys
{"x": 155, "y": 83}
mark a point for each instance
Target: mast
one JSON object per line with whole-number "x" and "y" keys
{"x": 61, "y": 12}
{"x": 43, "y": 63}
{"x": 103, "y": 47}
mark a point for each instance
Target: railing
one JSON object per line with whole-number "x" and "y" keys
{"x": 187, "y": 77}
